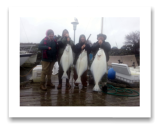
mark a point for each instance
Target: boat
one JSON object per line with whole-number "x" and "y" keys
{"x": 24, "y": 57}
{"x": 27, "y": 56}
{"x": 127, "y": 74}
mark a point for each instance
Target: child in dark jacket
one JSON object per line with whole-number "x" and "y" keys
{"x": 79, "y": 47}
{"x": 62, "y": 43}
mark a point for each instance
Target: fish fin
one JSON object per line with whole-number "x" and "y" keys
{"x": 65, "y": 75}
{"x": 78, "y": 80}
{"x": 96, "y": 88}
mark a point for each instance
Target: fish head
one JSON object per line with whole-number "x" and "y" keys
{"x": 99, "y": 53}
{"x": 67, "y": 48}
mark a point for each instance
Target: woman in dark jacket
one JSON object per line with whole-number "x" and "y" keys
{"x": 49, "y": 49}
{"x": 79, "y": 47}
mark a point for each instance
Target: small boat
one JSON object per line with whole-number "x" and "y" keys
{"x": 26, "y": 55}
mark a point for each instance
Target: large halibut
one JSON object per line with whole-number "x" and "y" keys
{"x": 81, "y": 65}
{"x": 66, "y": 60}
{"x": 98, "y": 68}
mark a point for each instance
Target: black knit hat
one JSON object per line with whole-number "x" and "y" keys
{"x": 103, "y": 35}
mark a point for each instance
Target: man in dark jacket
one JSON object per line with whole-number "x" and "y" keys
{"x": 49, "y": 49}
{"x": 62, "y": 43}
{"x": 105, "y": 46}
{"x": 101, "y": 44}
{"x": 79, "y": 47}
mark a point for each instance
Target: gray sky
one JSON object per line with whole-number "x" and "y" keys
{"x": 33, "y": 29}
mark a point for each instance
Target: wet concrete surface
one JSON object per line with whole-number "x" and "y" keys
{"x": 31, "y": 95}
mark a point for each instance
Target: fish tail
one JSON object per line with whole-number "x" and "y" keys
{"x": 65, "y": 75}
{"x": 78, "y": 80}
{"x": 96, "y": 88}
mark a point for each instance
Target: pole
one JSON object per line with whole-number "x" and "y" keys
{"x": 73, "y": 65}
{"x": 102, "y": 26}
{"x": 74, "y": 36}
{"x": 89, "y": 37}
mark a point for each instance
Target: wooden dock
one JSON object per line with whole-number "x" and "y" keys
{"x": 31, "y": 95}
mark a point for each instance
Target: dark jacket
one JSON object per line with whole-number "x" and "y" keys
{"x": 51, "y": 54}
{"x": 62, "y": 42}
{"x": 78, "y": 49}
{"x": 105, "y": 46}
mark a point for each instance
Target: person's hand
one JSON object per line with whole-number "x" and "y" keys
{"x": 68, "y": 39}
{"x": 83, "y": 46}
{"x": 49, "y": 48}
{"x": 100, "y": 42}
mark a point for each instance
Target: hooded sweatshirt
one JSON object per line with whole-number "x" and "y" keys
{"x": 78, "y": 49}
{"x": 62, "y": 42}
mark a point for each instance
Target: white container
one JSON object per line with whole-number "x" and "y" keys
{"x": 36, "y": 73}
{"x": 126, "y": 74}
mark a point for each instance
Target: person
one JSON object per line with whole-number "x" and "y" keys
{"x": 49, "y": 49}
{"x": 101, "y": 43}
{"x": 62, "y": 42}
{"x": 79, "y": 47}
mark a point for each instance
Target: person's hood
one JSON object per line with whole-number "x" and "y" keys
{"x": 80, "y": 38}
{"x": 65, "y": 30}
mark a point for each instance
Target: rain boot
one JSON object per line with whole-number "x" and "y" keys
{"x": 68, "y": 86}
{"x": 59, "y": 86}
{"x": 42, "y": 87}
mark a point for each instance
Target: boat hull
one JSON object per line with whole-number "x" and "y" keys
{"x": 24, "y": 58}
{"x": 32, "y": 59}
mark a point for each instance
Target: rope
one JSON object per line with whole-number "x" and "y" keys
{"x": 120, "y": 90}
{"x": 27, "y": 73}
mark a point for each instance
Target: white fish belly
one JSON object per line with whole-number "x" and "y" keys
{"x": 98, "y": 67}
{"x": 67, "y": 58}
{"x": 81, "y": 65}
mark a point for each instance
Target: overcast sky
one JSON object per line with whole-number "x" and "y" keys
{"x": 33, "y": 29}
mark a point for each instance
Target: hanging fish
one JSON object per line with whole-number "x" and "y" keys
{"x": 98, "y": 68}
{"x": 81, "y": 65}
{"x": 66, "y": 60}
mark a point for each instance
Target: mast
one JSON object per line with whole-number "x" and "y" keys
{"x": 102, "y": 26}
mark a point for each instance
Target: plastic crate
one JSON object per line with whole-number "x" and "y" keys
{"x": 36, "y": 72}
